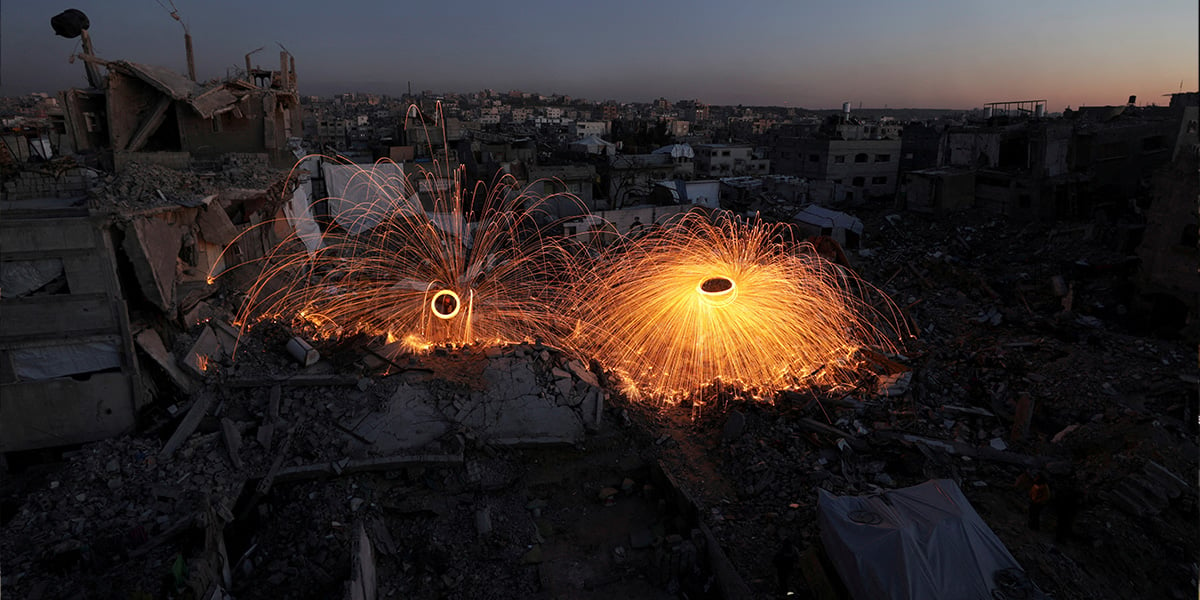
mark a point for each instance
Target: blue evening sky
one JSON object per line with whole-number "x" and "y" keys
{"x": 923, "y": 53}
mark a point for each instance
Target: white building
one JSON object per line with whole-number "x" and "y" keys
{"x": 582, "y": 129}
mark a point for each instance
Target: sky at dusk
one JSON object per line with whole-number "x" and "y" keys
{"x": 924, "y": 53}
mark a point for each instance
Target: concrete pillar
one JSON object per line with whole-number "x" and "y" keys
{"x": 93, "y": 74}
{"x": 283, "y": 70}
{"x": 191, "y": 59}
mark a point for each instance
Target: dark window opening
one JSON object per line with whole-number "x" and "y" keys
{"x": 883, "y": 158}
{"x": 861, "y": 157}
{"x": 851, "y": 240}
{"x": 858, "y": 181}
{"x": 1190, "y": 236}
{"x": 879, "y": 180}
{"x": 1014, "y": 153}
{"x": 1154, "y": 142}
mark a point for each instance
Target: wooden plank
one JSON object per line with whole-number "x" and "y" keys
{"x": 57, "y": 317}
{"x": 295, "y": 380}
{"x": 58, "y": 412}
{"x": 46, "y": 236}
{"x": 40, "y": 254}
{"x": 188, "y": 425}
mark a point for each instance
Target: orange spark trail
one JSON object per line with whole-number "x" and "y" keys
{"x": 727, "y": 300}
{"x": 440, "y": 266}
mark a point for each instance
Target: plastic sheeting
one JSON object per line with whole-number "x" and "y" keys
{"x": 823, "y": 217}
{"x": 49, "y": 362}
{"x": 20, "y": 277}
{"x": 592, "y": 144}
{"x": 677, "y": 151}
{"x": 923, "y": 542}
{"x": 300, "y": 218}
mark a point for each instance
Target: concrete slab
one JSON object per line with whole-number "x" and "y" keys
{"x": 152, "y": 245}
{"x": 412, "y": 420}
{"x": 514, "y": 409}
{"x": 150, "y": 342}
{"x": 215, "y": 226}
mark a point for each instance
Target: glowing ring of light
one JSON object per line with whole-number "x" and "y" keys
{"x": 718, "y": 290}
{"x": 433, "y": 304}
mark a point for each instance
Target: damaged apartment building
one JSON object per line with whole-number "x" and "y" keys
{"x": 1019, "y": 163}
{"x": 153, "y": 182}
{"x": 150, "y": 114}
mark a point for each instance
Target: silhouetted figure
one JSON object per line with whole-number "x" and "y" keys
{"x": 1067, "y": 501}
{"x": 1039, "y": 497}
{"x": 785, "y": 562}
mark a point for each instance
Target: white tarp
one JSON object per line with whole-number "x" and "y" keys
{"x": 300, "y": 218}
{"x": 20, "y": 277}
{"x": 592, "y": 144}
{"x": 361, "y": 195}
{"x": 923, "y": 542}
{"x": 677, "y": 151}
{"x": 823, "y": 217}
{"x": 49, "y": 362}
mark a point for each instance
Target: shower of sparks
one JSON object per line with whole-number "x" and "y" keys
{"x": 736, "y": 302}
{"x": 433, "y": 264}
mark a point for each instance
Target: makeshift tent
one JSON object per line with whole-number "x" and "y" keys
{"x": 844, "y": 228}
{"x": 923, "y": 542}
{"x": 592, "y": 144}
{"x": 677, "y": 151}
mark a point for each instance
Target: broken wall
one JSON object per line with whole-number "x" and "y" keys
{"x": 171, "y": 160}
{"x": 30, "y": 185}
{"x": 1169, "y": 251}
{"x": 238, "y": 130}
{"x": 133, "y": 108}
{"x": 67, "y": 368}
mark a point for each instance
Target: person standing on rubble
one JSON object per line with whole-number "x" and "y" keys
{"x": 1067, "y": 501}
{"x": 1039, "y": 497}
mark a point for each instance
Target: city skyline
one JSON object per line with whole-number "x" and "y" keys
{"x": 931, "y": 55}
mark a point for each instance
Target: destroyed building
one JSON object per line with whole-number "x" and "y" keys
{"x": 109, "y": 239}
{"x": 136, "y": 112}
{"x": 1096, "y": 160}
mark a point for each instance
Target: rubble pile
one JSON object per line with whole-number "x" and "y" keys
{"x": 140, "y": 186}
{"x": 244, "y": 171}
{"x": 257, "y": 482}
{"x": 1010, "y": 378}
